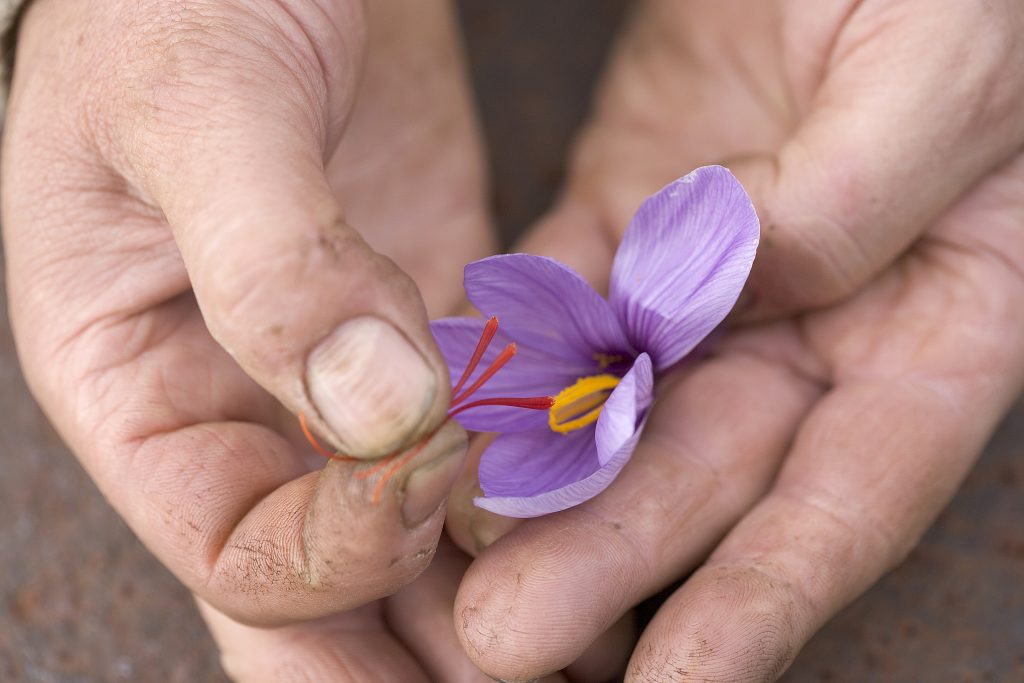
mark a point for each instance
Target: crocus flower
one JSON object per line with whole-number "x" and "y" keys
{"x": 570, "y": 406}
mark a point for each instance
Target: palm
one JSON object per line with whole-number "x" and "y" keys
{"x": 805, "y": 455}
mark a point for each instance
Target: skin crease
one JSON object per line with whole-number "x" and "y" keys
{"x": 891, "y": 194}
{"x": 889, "y": 391}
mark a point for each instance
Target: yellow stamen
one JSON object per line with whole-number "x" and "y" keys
{"x": 579, "y": 404}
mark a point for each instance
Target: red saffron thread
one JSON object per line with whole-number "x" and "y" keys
{"x": 316, "y": 444}
{"x": 536, "y": 403}
{"x": 367, "y": 473}
{"x": 481, "y": 347}
{"x": 395, "y": 466}
{"x": 497, "y": 364}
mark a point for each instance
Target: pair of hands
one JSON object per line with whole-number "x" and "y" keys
{"x": 179, "y": 182}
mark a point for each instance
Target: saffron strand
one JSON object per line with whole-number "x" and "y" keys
{"x": 504, "y": 357}
{"x": 316, "y": 444}
{"x": 367, "y": 473}
{"x": 395, "y": 466}
{"x": 535, "y": 403}
{"x": 481, "y": 348}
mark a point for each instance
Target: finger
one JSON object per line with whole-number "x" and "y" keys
{"x": 230, "y": 509}
{"x": 421, "y": 616}
{"x": 535, "y": 600}
{"x": 473, "y": 530}
{"x": 315, "y": 316}
{"x": 875, "y": 461}
{"x": 871, "y": 165}
{"x": 352, "y": 647}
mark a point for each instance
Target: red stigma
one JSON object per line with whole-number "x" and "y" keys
{"x": 537, "y": 403}
{"x": 529, "y": 403}
{"x": 497, "y": 364}
{"x": 481, "y": 347}
{"x": 316, "y": 444}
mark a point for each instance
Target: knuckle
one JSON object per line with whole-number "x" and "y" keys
{"x": 243, "y": 288}
{"x": 246, "y": 287}
{"x": 823, "y": 259}
{"x": 243, "y": 293}
{"x": 849, "y": 524}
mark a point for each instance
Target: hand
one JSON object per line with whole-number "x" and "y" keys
{"x": 179, "y": 182}
{"x": 806, "y": 456}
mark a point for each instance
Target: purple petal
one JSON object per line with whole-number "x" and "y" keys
{"x": 539, "y": 472}
{"x": 532, "y": 372}
{"x": 546, "y": 305}
{"x": 683, "y": 261}
{"x": 530, "y": 463}
{"x": 618, "y": 420}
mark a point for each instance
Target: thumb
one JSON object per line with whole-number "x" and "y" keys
{"x": 890, "y": 143}
{"x": 285, "y": 285}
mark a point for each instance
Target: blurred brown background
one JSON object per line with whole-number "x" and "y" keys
{"x": 81, "y": 601}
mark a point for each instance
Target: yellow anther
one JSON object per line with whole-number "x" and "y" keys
{"x": 579, "y": 404}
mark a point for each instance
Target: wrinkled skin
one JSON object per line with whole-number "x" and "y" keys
{"x": 148, "y": 166}
{"x": 884, "y": 163}
{"x": 806, "y": 457}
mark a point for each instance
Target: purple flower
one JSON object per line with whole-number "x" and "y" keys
{"x": 586, "y": 364}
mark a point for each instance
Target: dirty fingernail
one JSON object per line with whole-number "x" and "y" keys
{"x": 372, "y": 388}
{"x": 427, "y": 486}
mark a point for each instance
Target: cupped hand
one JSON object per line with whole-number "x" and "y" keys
{"x": 183, "y": 185}
{"x": 808, "y": 453}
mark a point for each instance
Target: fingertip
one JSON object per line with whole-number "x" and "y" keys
{"x": 726, "y": 623}
{"x": 533, "y": 602}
